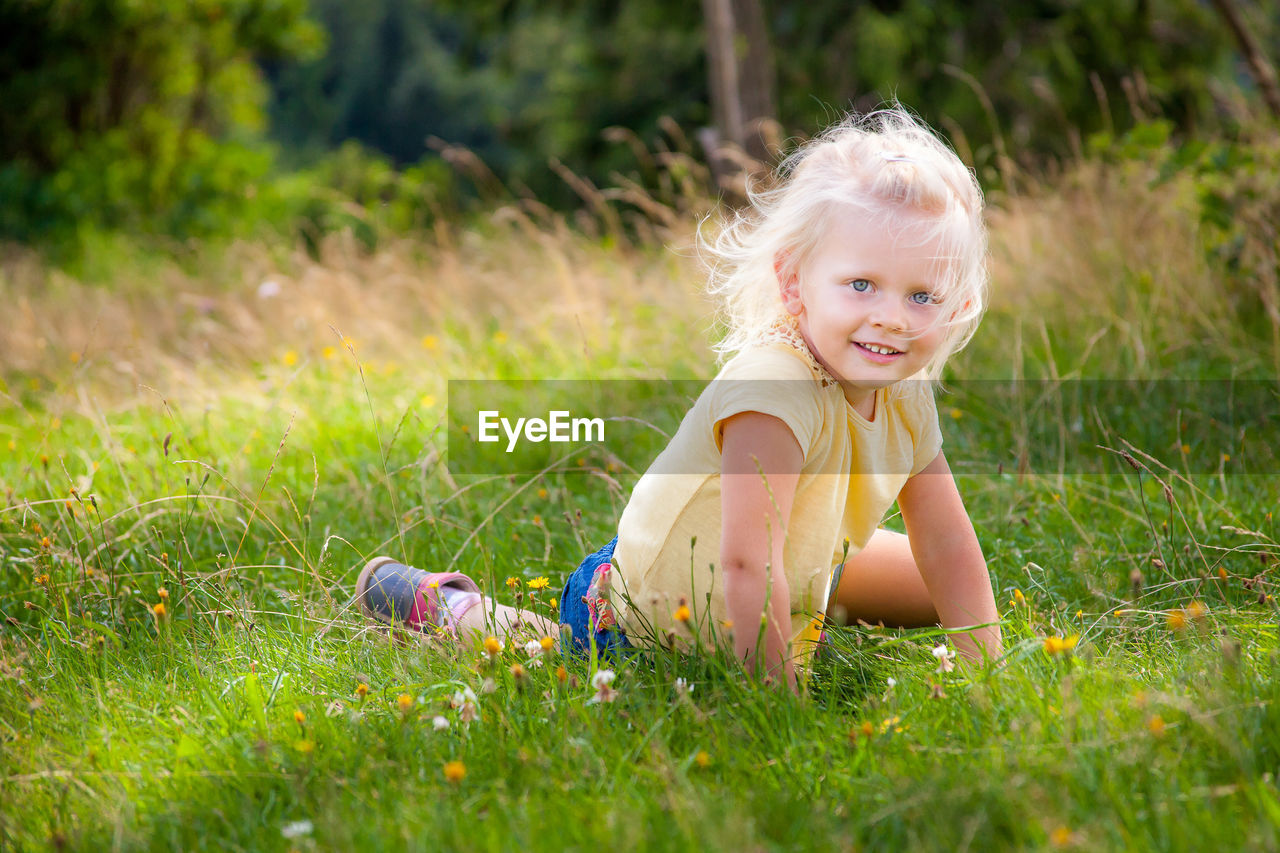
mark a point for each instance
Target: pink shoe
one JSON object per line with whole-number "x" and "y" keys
{"x": 397, "y": 594}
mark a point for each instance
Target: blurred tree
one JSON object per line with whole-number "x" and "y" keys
{"x": 135, "y": 112}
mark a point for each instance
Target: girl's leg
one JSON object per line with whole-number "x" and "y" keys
{"x": 882, "y": 584}
{"x": 505, "y": 622}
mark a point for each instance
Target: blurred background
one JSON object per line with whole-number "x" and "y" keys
{"x": 230, "y": 118}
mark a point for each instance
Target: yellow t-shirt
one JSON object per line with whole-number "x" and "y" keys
{"x": 669, "y": 534}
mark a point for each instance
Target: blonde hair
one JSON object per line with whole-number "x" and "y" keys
{"x": 880, "y": 165}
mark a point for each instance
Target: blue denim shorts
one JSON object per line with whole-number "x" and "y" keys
{"x": 575, "y": 613}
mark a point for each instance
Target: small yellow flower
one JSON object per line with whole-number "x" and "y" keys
{"x": 1226, "y": 457}
{"x": 519, "y": 673}
{"x": 499, "y": 337}
{"x": 430, "y": 343}
{"x": 290, "y": 358}
{"x": 158, "y": 609}
{"x": 492, "y": 646}
{"x": 1222, "y": 573}
{"x": 454, "y": 772}
{"x": 1019, "y": 597}
{"x": 13, "y": 445}
{"x": 1177, "y": 620}
{"x": 299, "y": 717}
{"x": 513, "y": 582}
{"x": 1197, "y": 611}
{"x": 562, "y": 674}
{"x": 547, "y": 644}
{"x": 1060, "y": 837}
{"x": 362, "y": 690}
{"x": 542, "y": 493}
{"x": 538, "y": 583}
{"x": 537, "y": 520}
{"x": 163, "y": 593}
{"x": 1155, "y": 724}
{"x": 328, "y": 353}
{"x": 702, "y": 759}
{"x": 1058, "y": 645}
{"x": 681, "y": 614}
{"x": 727, "y": 624}
{"x": 553, "y": 604}
{"x": 428, "y": 400}
{"x": 1186, "y": 448}
{"x": 956, "y": 414}
{"x": 404, "y": 702}
{"x": 45, "y": 543}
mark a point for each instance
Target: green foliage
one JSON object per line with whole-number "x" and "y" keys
{"x": 137, "y": 115}
{"x": 1232, "y": 185}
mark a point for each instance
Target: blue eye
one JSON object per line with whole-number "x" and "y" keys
{"x": 861, "y": 285}
{"x": 922, "y": 297}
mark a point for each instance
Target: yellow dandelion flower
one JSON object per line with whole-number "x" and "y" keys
{"x": 158, "y": 609}
{"x": 299, "y": 717}
{"x": 362, "y": 690}
{"x": 163, "y": 593}
{"x": 404, "y": 702}
{"x": 1226, "y": 457}
{"x": 427, "y": 401}
{"x": 13, "y": 445}
{"x": 513, "y": 582}
{"x": 727, "y": 624}
{"x": 547, "y": 644}
{"x": 1197, "y": 611}
{"x": 1186, "y": 448}
{"x": 702, "y": 759}
{"x": 1019, "y": 597}
{"x": 1177, "y": 620}
{"x": 867, "y": 729}
{"x": 1079, "y": 614}
{"x": 542, "y": 493}
{"x": 45, "y": 543}
{"x": 430, "y": 343}
{"x": 519, "y": 673}
{"x": 562, "y": 674}
{"x": 454, "y": 772}
{"x": 328, "y": 353}
{"x": 492, "y": 646}
{"x": 1060, "y": 837}
{"x": 1222, "y": 573}
{"x": 1156, "y": 725}
{"x": 681, "y": 614}
{"x": 537, "y": 520}
{"x": 1060, "y": 645}
{"x": 538, "y": 583}
{"x": 553, "y": 604}
{"x": 956, "y": 414}
{"x": 290, "y": 358}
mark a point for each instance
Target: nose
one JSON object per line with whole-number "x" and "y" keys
{"x": 887, "y": 313}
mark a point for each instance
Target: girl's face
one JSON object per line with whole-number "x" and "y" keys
{"x": 864, "y": 303}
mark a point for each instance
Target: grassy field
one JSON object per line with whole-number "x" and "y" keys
{"x": 197, "y": 456}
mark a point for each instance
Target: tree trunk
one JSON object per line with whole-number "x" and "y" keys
{"x": 1263, "y": 74}
{"x": 740, "y": 65}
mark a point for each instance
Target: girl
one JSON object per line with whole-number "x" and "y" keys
{"x": 844, "y": 290}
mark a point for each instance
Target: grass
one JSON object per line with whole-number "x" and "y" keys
{"x": 246, "y": 447}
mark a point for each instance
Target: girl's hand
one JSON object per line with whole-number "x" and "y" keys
{"x": 950, "y": 560}
{"x": 755, "y": 509}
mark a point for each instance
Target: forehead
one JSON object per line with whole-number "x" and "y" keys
{"x": 903, "y": 240}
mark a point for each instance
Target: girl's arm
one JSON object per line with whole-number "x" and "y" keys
{"x": 950, "y": 560}
{"x": 753, "y": 529}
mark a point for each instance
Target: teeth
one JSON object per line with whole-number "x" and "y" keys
{"x": 876, "y": 348}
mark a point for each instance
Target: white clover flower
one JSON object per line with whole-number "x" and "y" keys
{"x": 946, "y": 658}
{"x": 602, "y": 681}
{"x": 892, "y": 682}
{"x": 439, "y": 723}
{"x": 683, "y": 688}
{"x": 296, "y": 829}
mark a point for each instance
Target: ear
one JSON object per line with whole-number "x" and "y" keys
{"x": 788, "y": 284}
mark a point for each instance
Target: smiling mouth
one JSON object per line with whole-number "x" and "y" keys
{"x": 878, "y": 349}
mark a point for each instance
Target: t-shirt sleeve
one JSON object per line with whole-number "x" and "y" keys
{"x": 772, "y": 382}
{"x": 922, "y": 412}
